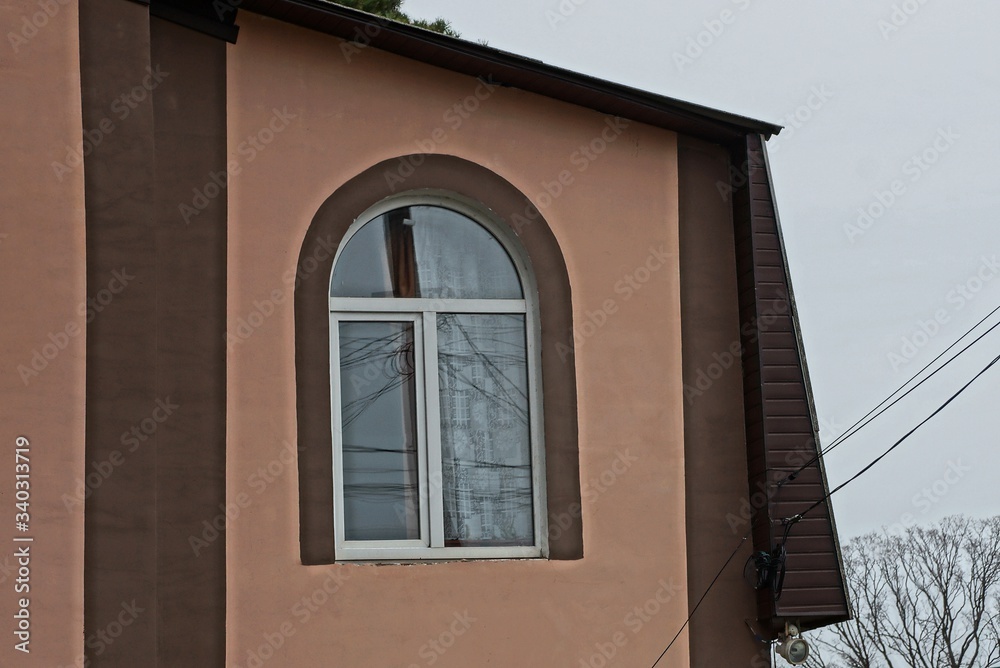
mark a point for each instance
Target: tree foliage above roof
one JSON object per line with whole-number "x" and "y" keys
{"x": 391, "y": 10}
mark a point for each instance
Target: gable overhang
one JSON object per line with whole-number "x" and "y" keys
{"x": 782, "y": 428}
{"x": 507, "y": 69}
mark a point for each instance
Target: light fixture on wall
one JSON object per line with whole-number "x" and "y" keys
{"x": 792, "y": 647}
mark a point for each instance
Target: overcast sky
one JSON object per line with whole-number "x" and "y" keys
{"x": 905, "y": 96}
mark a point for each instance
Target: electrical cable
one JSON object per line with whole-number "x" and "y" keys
{"x": 698, "y": 604}
{"x": 799, "y": 516}
{"x": 866, "y": 420}
{"x": 788, "y": 522}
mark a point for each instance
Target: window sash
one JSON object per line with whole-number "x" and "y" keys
{"x": 431, "y": 544}
{"x": 412, "y": 306}
{"x": 338, "y": 435}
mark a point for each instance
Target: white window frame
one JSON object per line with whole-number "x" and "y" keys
{"x": 423, "y": 314}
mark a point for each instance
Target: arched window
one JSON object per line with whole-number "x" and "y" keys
{"x": 435, "y": 386}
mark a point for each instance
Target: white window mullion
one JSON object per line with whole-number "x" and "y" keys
{"x": 433, "y": 419}
{"x": 421, "y": 370}
{"x": 338, "y": 435}
{"x": 539, "y": 500}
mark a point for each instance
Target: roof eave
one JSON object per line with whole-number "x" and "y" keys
{"x": 512, "y": 70}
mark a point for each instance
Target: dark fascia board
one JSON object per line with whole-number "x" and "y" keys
{"x": 510, "y": 69}
{"x": 196, "y": 15}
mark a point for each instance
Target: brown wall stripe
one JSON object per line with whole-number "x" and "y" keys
{"x": 715, "y": 454}
{"x": 191, "y": 145}
{"x": 154, "y": 114}
{"x": 120, "y": 540}
{"x": 312, "y": 341}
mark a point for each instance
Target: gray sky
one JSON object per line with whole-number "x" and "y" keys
{"x": 890, "y": 81}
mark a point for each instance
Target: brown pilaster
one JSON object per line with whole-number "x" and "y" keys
{"x": 154, "y": 112}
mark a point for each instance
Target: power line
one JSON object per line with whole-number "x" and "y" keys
{"x": 865, "y": 420}
{"x": 698, "y": 604}
{"x": 796, "y": 518}
{"x": 896, "y": 444}
{"x": 848, "y": 434}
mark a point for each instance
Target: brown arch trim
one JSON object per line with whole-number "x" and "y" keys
{"x": 312, "y": 339}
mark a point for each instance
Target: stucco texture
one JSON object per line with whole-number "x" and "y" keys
{"x": 42, "y": 384}
{"x": 330, "y": 113}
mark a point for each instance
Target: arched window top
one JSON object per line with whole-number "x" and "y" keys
{"x": 494, "y": 203}
{"x": 438, "y": 436}
{"x": 424, "y": 250}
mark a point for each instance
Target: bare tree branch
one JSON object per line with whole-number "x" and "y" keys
{"x": 928, "y": 598}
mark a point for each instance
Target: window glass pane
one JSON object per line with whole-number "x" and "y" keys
{"x": 378, "y": 412}
{"x": 428, "y": 252}
{"x": 362, "y": 269}
{"x": 485, "y": 439}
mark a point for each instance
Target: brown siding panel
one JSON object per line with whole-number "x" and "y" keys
{"x": 781, "y": 429}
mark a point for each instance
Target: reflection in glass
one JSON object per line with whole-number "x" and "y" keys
{"x": 427, "y": 252}
{"x": 485, "y": 439}
{"x": 378, "y": 414}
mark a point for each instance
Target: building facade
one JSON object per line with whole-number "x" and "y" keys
{"x": 339, "y": 342}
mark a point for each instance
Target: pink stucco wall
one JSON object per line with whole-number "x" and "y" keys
{"x": 42, "y": 271}
{"x": 329, "y": 114}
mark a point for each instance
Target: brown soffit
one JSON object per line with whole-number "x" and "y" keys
{"x": 509, "y": 69}
{"x": 807, "y": 383}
